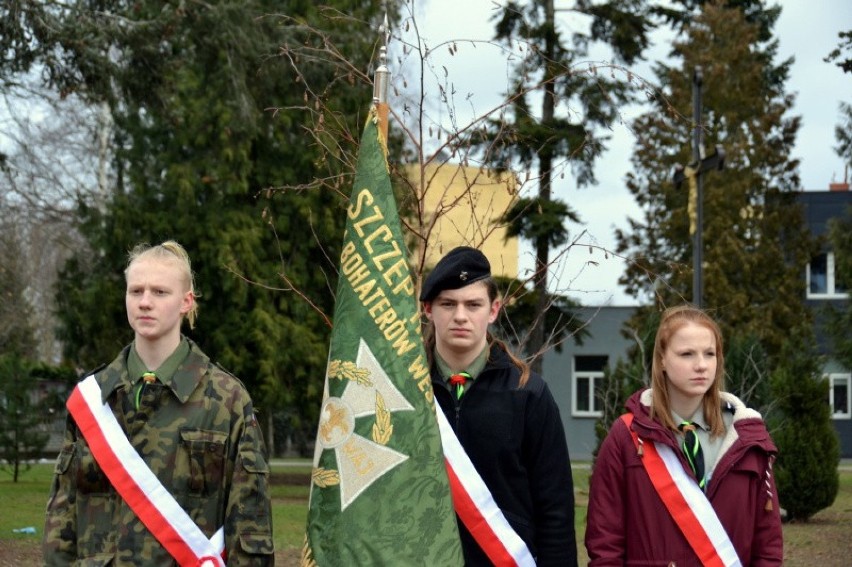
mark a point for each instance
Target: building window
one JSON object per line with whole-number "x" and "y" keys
{"x": 587, "y": 385}
{"x": 838, "y": 395}
{"x": 822, "y": 283}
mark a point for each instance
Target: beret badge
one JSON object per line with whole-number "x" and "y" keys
{"x": 461, "y": 267}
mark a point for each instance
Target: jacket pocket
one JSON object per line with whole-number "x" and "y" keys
{"x": 256, "y": 544}
{"x": 61, "y": 488}
{"x": 256, "y": 488}
{"x": 205, "y": 467}
{"x": 254, "y": 462}
{"x": 250, "y": 487}
{"x": 63, "y": 461}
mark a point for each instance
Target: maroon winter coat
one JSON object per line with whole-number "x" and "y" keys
{"x": 628, "y": 524}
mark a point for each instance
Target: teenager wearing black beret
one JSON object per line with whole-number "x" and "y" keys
{"x": 503, "y": 415}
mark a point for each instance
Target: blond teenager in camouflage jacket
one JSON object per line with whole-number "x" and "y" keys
{"x": 194, "y": 427}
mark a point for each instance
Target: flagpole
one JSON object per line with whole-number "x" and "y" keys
{"x": 380, "y": 493}
{"x": 381, "y": 81}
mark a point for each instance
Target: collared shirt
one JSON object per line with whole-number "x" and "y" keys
{"x": 474, "y": 369}
{"x": 710, "y": 446}
{"x": 136, "y": 368}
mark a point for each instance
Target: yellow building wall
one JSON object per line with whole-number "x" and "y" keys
{"x": 468, "y": 201}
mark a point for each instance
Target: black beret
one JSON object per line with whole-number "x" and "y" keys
{"x": 461, "y": 266}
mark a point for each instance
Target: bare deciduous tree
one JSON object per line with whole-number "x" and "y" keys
{"x": 56, "y": 157}
{"x": 441, "y": 162}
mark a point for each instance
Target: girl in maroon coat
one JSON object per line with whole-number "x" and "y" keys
{"x": 723, "y": 485}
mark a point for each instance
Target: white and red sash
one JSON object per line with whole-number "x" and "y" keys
{"x": 475, "y": 505}
{"x": 686, "y": 502}
{"x": 138, "y": 485}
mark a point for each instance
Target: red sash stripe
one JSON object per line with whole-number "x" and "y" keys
{"x": 687, "y": 504}
{"x": 679, "y": 509}
{"x": 476, "y": 507}
{"x": 142, "y": 503}
{"x": 476, "y": 523}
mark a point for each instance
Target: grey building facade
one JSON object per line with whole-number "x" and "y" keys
{"x": 575, "y": 373}
{"x": 825, "y": 291}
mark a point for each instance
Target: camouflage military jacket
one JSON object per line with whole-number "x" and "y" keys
{"x": 199, "y": 436}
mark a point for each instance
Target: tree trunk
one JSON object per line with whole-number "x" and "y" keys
{"x": 545, "y": 161}
{"x": 270, "y": 435}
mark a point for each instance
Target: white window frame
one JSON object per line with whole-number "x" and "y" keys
{"x": 843, "y": 379}
{"x": 593, "y": 376}
{"x": 830, "y": 292}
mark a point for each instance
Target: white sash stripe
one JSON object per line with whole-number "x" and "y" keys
{"x": 479, "y": 493}
{"x": 146, "y": 480}
{"x": 701, "y": 507}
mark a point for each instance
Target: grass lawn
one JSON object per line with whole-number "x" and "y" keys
{"x": 824, "y": 540}
{"x": 24, "y": 501}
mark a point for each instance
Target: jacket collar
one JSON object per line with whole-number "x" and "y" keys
{"x": 184, "y": 381}
{"x": 747, "y": 425}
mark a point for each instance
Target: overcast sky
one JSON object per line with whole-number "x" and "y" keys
{"x": 807, "y": 30}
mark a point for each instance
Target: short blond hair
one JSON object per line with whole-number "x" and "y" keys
{"x": 169, "y": 250}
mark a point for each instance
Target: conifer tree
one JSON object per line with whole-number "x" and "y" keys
{"x": 842, "y": 54}
{"x": 756, "y": 243}
{"x": 843, "y": 134}
{"x": 21, "y": 438}
{"x": 197, "y": 146}
{"x": 554, "y": 138}
{"x": 806, "y": 471}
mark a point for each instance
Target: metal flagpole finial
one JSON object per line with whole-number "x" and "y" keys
{"x": 381, "y": 78}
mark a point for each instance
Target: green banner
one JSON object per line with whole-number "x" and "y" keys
{"x": 380, "y": 494}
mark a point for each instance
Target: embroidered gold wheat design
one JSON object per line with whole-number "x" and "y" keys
{"x": 347, "y": 370}
{"x": 325, "y": 477}
{"x": 382, "y": 428}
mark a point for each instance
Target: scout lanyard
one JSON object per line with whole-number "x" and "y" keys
{"x": 137, "y": 484}
{"x": 475, "y": 505}
{"x": 687, "y": 504}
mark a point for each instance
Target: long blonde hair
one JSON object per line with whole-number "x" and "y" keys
{"x": 672, "y": 320}
{"x": 169, "y": 250}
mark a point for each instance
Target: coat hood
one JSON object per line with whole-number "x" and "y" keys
{"x": 747, "y": 428}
